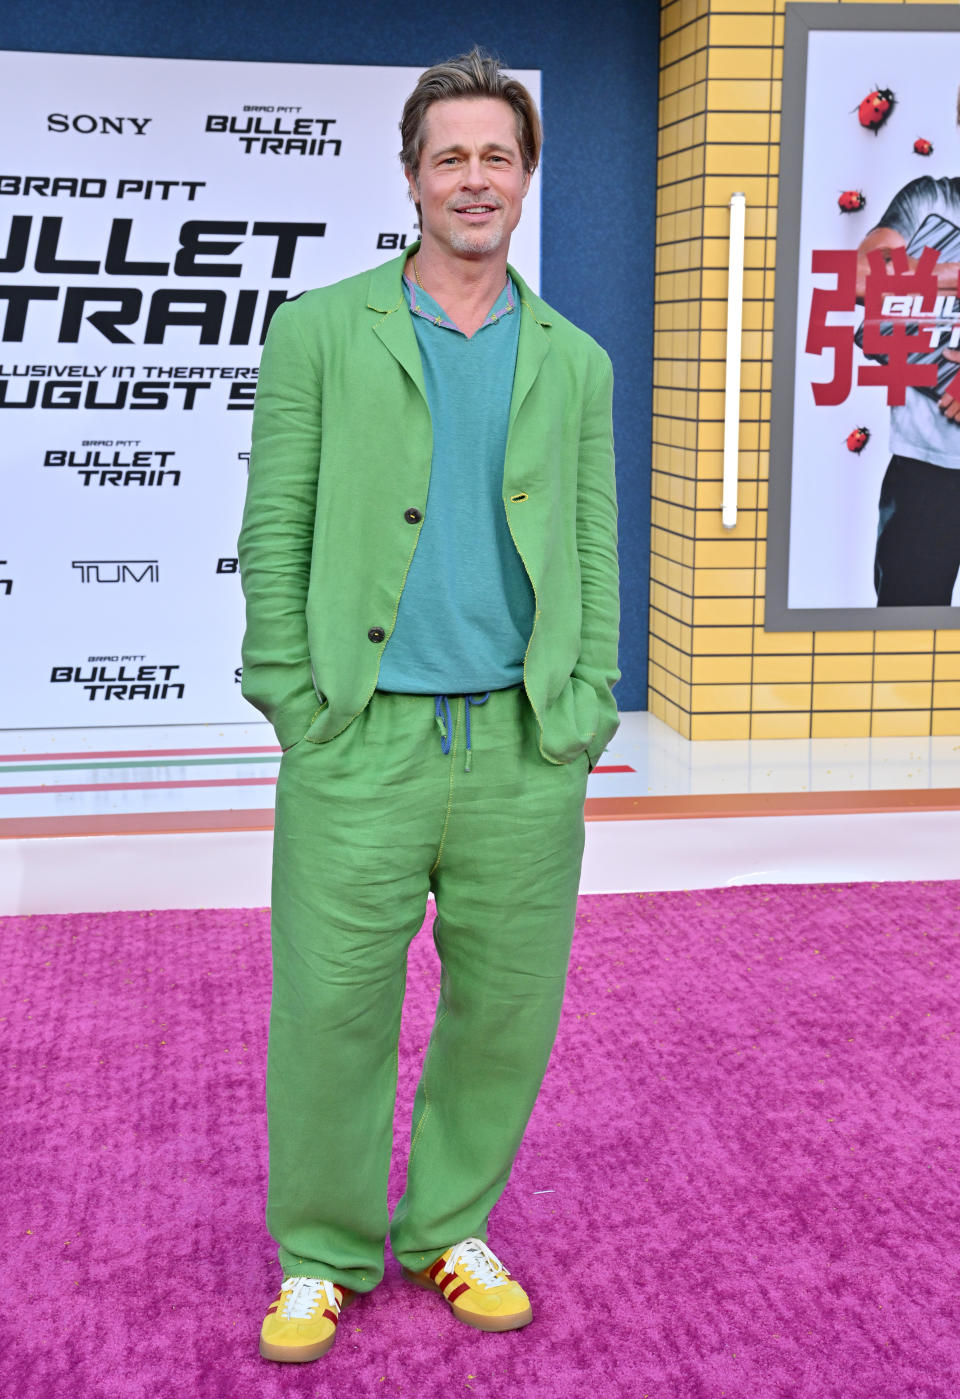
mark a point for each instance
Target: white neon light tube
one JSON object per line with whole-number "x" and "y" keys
{"x": 731, "y": 403}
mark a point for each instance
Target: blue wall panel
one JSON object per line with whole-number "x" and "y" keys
{"x": 600, "y": 70}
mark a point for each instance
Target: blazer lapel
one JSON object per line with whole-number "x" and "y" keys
{"x": 395, "y": 326}
{"x": 532, "y": 349}
{"x": 397, "y": 333}
{"x": 532, "y": 346}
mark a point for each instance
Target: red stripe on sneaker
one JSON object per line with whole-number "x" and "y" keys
{"x": 331, "y": 1316}
{"x": 271, "y": 1310}
{"x": 457, "y": 1292}
{"x": 448, "y": 1282}
{"x": 436, "y": 1268}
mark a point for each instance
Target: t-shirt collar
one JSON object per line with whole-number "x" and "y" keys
{"x": 422, "y": 304}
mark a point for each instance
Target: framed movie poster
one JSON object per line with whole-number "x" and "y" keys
{"x": 864, "y": 522}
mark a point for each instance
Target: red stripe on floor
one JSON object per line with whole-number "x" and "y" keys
{"x": 720, "y": 804}
{"x": 596, "y": 809}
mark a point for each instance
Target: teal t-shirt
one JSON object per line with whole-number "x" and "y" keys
{"x": 467, "y": 608}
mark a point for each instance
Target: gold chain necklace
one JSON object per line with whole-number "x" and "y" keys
{"x": 416, "y": 272}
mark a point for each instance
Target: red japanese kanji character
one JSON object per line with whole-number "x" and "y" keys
{"x": 891, "y": 272}
{"x": 839, "y": 338}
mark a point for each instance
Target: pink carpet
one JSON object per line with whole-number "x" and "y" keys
{"x": 740, "y": 1179}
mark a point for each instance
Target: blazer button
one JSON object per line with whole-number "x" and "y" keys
{"x": 413, "y": 516}
{"x": 376, "y": 633}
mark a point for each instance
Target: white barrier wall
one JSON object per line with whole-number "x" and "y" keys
{"x": 153, "y": 214}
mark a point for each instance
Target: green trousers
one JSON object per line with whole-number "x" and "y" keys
{"x": 366, "y": 825}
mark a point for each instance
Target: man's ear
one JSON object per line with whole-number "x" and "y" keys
{"x": 413, "y": 190}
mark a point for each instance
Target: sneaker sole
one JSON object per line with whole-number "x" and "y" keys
{"x": 299, "y": 1355}
{"x": 296, "y": 1355}
{"x": 479, "y": 1323}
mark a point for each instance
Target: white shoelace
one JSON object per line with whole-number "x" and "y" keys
{"x": 477, "y": 1260}
{"x": 302, "y": 1295}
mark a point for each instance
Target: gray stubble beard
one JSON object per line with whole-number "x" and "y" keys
{"x": 463, "y": 242}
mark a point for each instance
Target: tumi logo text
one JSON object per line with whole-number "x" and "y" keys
{"x": 118, "y": 570}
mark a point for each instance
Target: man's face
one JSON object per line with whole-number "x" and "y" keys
{"x": 471, "y": 183}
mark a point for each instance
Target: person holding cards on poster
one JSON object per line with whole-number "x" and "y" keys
{"x": 917, "y": 555}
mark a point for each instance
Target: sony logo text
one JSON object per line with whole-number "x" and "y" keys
{"x": 88, "y": 125}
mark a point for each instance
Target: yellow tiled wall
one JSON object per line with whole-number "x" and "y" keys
{"x": 714, "y": 671}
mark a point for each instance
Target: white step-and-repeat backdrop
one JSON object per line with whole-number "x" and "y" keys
{"x": 153, "y": 214}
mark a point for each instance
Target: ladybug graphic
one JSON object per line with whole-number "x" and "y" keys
{"x": 851, "y": 201}
{"x": 858, "y": 439}
{"x": 922, "y": 146}
{"x": 875, "y": 108}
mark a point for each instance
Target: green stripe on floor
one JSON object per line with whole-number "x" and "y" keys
{"x": 229, "y": 760}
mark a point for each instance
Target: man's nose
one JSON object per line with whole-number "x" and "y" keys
{"x": 474, "y": 176}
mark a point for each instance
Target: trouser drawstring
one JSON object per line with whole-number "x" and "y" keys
{"x": 445, "y": 723}
{"x": 472, "y": 700}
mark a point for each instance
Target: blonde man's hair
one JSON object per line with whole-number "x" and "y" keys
{"x": 473, "y": 74}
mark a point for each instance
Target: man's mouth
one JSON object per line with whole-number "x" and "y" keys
{"x": 476, "y": 210}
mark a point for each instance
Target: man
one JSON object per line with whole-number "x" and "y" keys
{"x": 918, "y": 535}
{"x": 428, "y": 555}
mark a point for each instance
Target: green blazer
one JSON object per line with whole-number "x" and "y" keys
{"x": 342, "y": 445}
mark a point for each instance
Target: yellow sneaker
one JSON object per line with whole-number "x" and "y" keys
{"x": 301, "y": 1321}
{"x": 477, "y": 1286}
